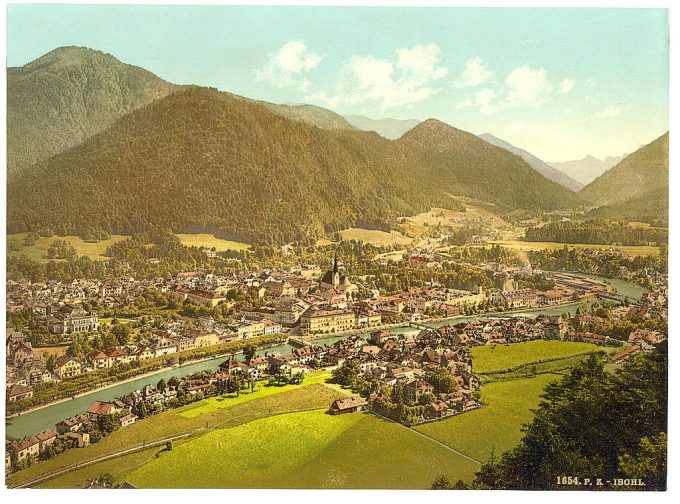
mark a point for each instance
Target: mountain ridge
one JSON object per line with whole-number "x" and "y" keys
{"x": 276, "y": 179}
{"x": 537, "y": 164}
{"x": 66, "y": 96}
{"x": 639, "y": 173}
{"x": 587, "y": 169}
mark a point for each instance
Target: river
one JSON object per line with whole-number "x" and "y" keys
{"x": 46, "y": 418}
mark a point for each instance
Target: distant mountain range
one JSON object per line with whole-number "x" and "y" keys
{"x": 587, "y": 169}
{"x": 388, "y": 128}
{"x": 540, "y": 166}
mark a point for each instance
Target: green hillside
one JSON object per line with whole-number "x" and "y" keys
{"x": 640, "y": 173}
{"x": 200, "y": 160}
{"x": 470, "y": 166}
{"x": 652, "y": 207}
{"x": 68, "y": 95}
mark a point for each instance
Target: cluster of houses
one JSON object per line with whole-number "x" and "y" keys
{"x": 391, "y": 360}
{"x": 24, "y": 369}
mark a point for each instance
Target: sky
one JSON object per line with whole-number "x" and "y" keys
{"x": 560, "y": 83}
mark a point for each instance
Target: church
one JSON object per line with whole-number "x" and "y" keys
{"x": 333, "y": 279}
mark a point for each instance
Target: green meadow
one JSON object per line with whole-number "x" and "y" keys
{"x": 496, "y": 426}
{"x": 209, "y": 241}
{"x": 490, "y": 358}
{"x": 305, "y": 450}
{"x": 168, "y": 423}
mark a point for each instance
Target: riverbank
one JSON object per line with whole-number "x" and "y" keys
{"x": 141, "y": 376}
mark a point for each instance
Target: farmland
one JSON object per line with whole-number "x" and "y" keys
{"x": 305, "y": 450}
{"x": 38, "y": 252}
{"x": 229, "y": 400}
{"x": 173, "y": 422}
{"x": 209, "y": 241}
{"x": 375, "y": 236}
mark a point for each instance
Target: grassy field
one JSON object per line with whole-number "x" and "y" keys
{"x": 38, "y": 252}
{"x": 171, "y": 422}
{"x": 375, "y": 237}
{"x": 498, "y": 357}
{"x": 496, "y": 426}
{"x": 631, "y": 250}
{"x": 559, "y": 366}
{"x": 305, "y": 450}
{"x": 229, "y": 400}
{"x": 209, "y": 241}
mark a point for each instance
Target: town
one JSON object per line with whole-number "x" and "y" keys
{"x": 410, "y": 379}
{"x": 261, "y": 307}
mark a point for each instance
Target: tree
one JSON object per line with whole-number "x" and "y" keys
{"x": 441, "y": 483}
{"x": 592, "y": 422}
{"x": 441, "y": 380}
{"x": 95, "y": 436}
{"x": 161, "y": 385}
{"x": 249, "y": 351}
{"x": 51, "y": 362}
{"x": 347, "y": 373}
{"x": 425, "y": 399}
{"x": 105, "y": 480}
{"x": 648, "y": 462}
{"x": 168, "y": 445}
{"x": 122, "y": 333}
{"x": 173, "y": 382}
{"x": 108, "y": 423}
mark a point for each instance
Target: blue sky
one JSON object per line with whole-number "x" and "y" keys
{"x": 561, "y": 83}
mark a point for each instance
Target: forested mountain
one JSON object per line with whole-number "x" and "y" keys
{"x": 387, "y": 127}
{"x": 636, "y": 177}
{"x": 587, "y": 169}
{"x": 652, "y": 207}
{"x": 537, "y": 164}
{"x": 472, "y": 167}
{"x": 203, "y": 160}
{"x": 68, "y": 95}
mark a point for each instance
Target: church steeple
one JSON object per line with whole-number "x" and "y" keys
{"x": 335, "y": 263}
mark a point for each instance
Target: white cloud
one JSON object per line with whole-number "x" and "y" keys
{"x": 524, "y": 86}
{"x": 566, "y": 85}
{"x": 474, "y": 74}
{"x": 402, "y": 80}
{"x": 287, "y": 64}
{"x": 609, "y": 111}
{"x": 527, "y": 86}
{"x": 484, "y": 100}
